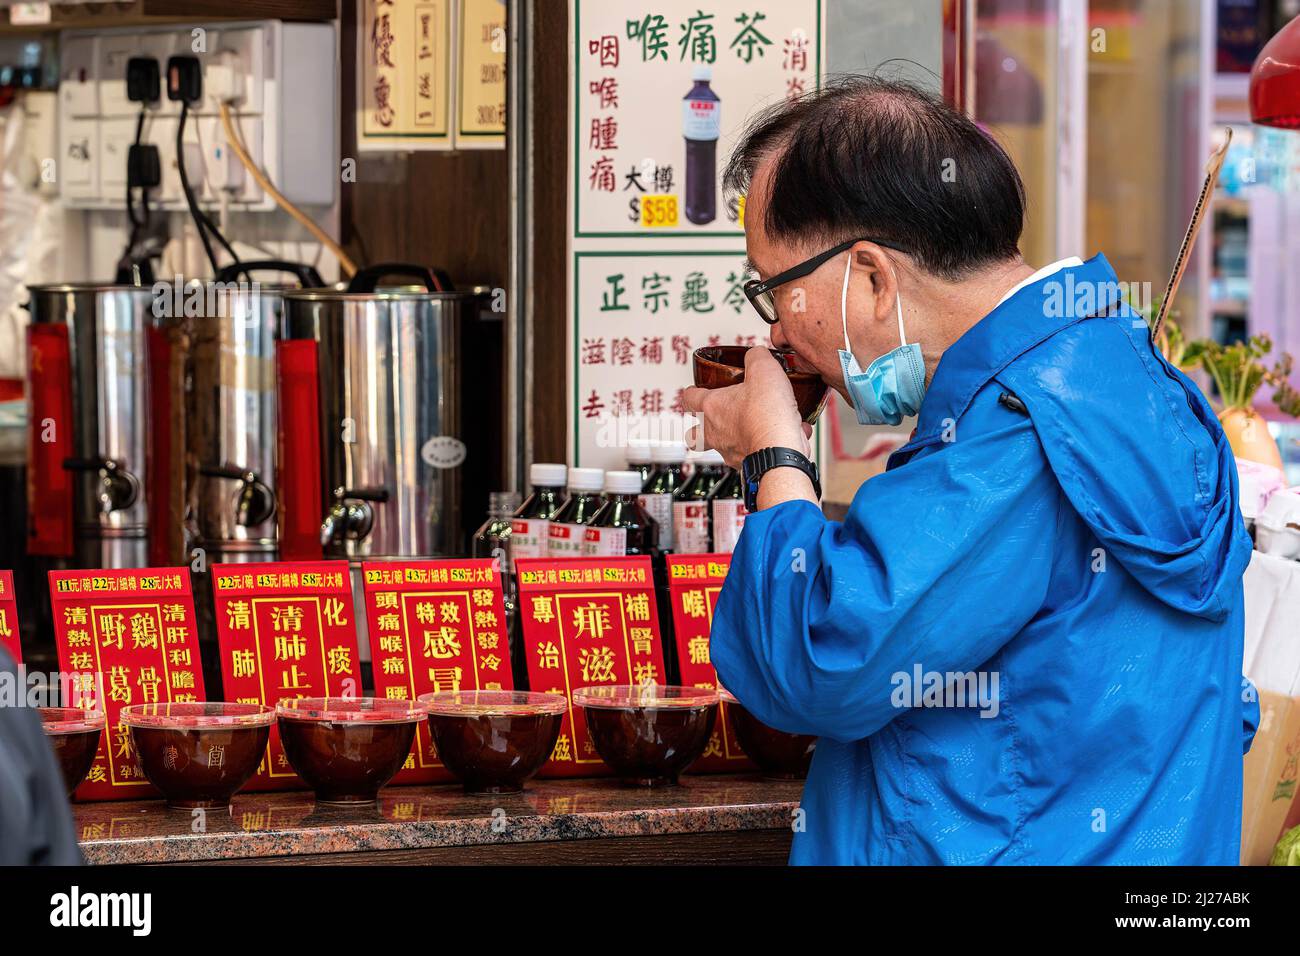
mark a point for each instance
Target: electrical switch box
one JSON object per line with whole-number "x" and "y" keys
{"x": 278, "y": 80}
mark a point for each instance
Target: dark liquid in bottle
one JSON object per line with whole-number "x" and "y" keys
{"x": 567, "y": 525}
{"x": 199, "y": 767}
{"x": 346, "y": 762}
{"x": 701, "y": 181}
{"x": 650, "y": 746}
{"x": 726, "y": 513}
{"x": 657, "y": 499}
{"x": 624, "y": 511}
{"x": 691, "y": 532}
{"x": 74, "y": 753}
{"x": 494, "y": 753}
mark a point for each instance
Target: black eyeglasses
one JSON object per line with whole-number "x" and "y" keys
{"x": 761, "y": 293}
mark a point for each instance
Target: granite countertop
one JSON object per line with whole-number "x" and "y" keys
{"x": 289, "y": 823}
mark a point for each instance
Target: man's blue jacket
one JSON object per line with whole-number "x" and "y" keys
{"x": 1024, "y": 643}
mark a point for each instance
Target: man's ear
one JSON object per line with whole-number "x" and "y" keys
{"x": 870, "y": 259}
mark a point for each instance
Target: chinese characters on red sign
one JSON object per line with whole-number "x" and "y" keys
{"x": 124, "y": 637}
{"x": 9, "y": 636}
{"x": 285, "y": 630}
{"x": 694, "y": 583}
{"x": 435, "y": 626}
{"x": 585, "y": 623}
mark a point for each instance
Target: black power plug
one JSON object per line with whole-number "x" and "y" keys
{"x": 143, "y": 83}
{"x": 184, "y": 79}
{"x": 143, "y": 167}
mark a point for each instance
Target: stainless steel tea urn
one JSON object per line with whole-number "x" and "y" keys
{"x": 232, "y": 434}
{"x": 378, "y": 367}
{"x": 88, "y": 493}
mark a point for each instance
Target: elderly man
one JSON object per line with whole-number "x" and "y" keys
{"x": 1024, "y": 643}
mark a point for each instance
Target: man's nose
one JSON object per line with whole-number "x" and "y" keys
{"x": 779, "y": 340}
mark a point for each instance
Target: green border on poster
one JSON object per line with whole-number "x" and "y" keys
{"x": 577, "y": 193}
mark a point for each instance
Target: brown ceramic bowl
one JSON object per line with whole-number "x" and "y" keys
{"x": 198, "y": 754}
{"x": 74, "y": 735}
{"x": 779, "y": 755}
{"x": 494, "y": 740}
{"x": 648, "y": 734}
{"x": 347, "y": 748}
{"x": 717, "y": 366}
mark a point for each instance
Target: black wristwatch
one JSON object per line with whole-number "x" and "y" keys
{"x": 755, "y": 466}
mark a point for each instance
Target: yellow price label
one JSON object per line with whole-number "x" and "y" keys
{"x": 658, "y": 211}
{"x": 740, "y": 211}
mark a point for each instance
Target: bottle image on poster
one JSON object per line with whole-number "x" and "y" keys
{"x": 701, "y": 126}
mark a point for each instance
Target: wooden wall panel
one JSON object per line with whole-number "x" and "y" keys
{"x": 550, "y": 98}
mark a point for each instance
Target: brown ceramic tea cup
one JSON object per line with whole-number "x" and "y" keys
{"x": 198, "y": 754}
{"x": 648, "y": 734}
{"x": 778, "y": 754}
{"x": 718, "y": 366}
{"x": 494, "y": 740}
{"x": 347, "y": 748}
{"x": 73, "y": 733}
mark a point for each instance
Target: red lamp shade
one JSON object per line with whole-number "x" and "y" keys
{"x": 1275, "y": 80}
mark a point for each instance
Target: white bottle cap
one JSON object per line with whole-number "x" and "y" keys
{"x": 639, "y": 451}
{"x": 542, "y": 475}
{"x": 669, "y": 452}
{"x": 586, "y": 479}
{"x": 709, "y": 457}
{"x": 702, "y": 73}
{"x": 622, "y": 482}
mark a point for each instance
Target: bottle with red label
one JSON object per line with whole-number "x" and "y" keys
{"x": 691, "y": 533}
{"x": 658, "y": 491}
{"x": 727, "y": 512}
{"x": 585, "y": 499}
{"x": 621, "y": 526}
{"x": 701, "y": 126}
{"x": 530, "y": 525}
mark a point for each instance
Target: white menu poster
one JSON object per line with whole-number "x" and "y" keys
{"x": 661, "y": 92}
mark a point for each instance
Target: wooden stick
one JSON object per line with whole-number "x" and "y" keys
{"x": 1193, "y": 229}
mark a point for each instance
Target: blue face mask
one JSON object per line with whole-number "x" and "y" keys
{"x": 893, "y": 385}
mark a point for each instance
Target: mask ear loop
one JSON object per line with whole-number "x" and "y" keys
{"x": 898, "y": 301}
{"x": 844, "y": 302}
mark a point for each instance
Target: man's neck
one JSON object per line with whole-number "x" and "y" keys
{"x": 951, "y": 309}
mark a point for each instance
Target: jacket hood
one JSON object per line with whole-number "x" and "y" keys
{"x": 1141, "y": 456}
{"x": 1135, "y": 446}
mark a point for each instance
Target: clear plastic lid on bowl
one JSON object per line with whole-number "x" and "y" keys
{"x": 350, "y": 710}
{"x": 492, "y": 703}
{"x": 215, "y": 714}
{"x": 70, "y": 720}
{"x": 644, "y": 696}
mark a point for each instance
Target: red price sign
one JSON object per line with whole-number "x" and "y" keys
{"x": 694, "y": 583}
{"x": 285, "y": 630}
{"x": 587, "y": 621}
{"x": 124, "y": 637}
{"x": 435, "y": 625}
{"x": 9, "y": 637}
